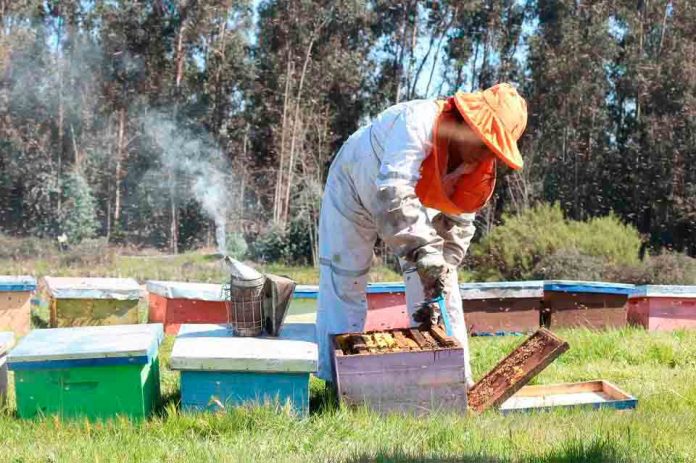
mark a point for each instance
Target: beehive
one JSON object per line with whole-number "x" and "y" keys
{"x": 174, "y": 303}
{"x": 91, "y": 301}
{"x": 15, "y": 303}
{"x": 6, "y": 342}
{"x": 588, "y": 304}
{"x": 663, "y": 307}
{"x": 502, "y": 307}
{"x": 220, "y": 370}
{"x": 95, "y": 372}
{"x": 405, "y": 370}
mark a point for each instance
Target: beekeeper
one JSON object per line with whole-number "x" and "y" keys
{"x": 415, "y": 178}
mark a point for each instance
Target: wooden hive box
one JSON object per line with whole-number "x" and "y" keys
{"x": 95, "y": 372}
{"x": 219, "y": 370}
{"x": 6, "y": 343}
{"x": 386, "y": 305}
{"x": 502, "y": 307}
{"x": 91, "y": 301}
{"x": 588, "y": 304}
{"x": 425, "y": 375}
{"x": 174, "y": 303}
{"x": 15, "y": 303}
{"x": 663, "y": 307}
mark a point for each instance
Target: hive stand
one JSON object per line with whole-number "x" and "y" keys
{"x": 502, "y": 307}
{"x": 15, "y": 303}
{"x": 663, "y": 307}
{"x": 219, "y": 369}
{"x": 91, "y": 301}
{"x": 6, "y": 343}
{"x": 588, "y": 304}
{"x": 96, "y": 372}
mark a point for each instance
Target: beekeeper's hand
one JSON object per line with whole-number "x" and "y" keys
{"x": 432, "y": 270}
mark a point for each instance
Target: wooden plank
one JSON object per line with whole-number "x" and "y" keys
{"x": 439, "y": 334}
{"x": 358, "y": 344}
{"x": 402, "y": 341}
{"x": 432, "y": 343}
{"x": 568, "y": 388}
{"x": 369, "y": 342}
{"x": 515, "y": 370}
{"x": 343, "y": 342}
{"x": 418, "y": 338}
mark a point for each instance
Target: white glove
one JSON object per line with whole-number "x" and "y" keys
{"x": 432, "y": 270}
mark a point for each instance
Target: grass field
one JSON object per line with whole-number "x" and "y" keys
{"x": 659, "y": 368}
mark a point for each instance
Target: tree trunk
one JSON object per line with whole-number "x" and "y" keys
{"x": 277, "y": 203}
{"x": 120, "y": 158}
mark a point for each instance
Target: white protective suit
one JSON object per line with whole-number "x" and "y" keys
{"x": 370, "y": 192}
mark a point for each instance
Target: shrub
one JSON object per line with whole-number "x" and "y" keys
{"x": 78, "y": 213}
{"x": 236, "y": 246}
{"x": 671, "y": 268}
{"x": 25, "y": 248}
{"x": 514, "y": 249}
{"x": 570, "y": 264}
{"x": 89, "y": 253}
{"x": 291, "y": 246}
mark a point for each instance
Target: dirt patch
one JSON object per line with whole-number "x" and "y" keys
{"x": 515, "y": 370}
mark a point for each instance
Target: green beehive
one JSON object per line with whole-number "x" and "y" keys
{"x": 94, "y": 372}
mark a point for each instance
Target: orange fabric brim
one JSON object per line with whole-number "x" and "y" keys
{"x": 483, "y": 121}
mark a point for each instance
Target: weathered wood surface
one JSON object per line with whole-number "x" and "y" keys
{"x": 516, "y": 369}
{"x": 588, "y": 310}
{"x": 92, "y": 288}
{"x": 6, "y": 343}
{"x": 533, "y": 289}
{"x": 675, "y": 291}
{"x": 413, "y": 382}
{"x": 186, "y": 290}
{"x": 662, "y": 313}
{"x": 597, "y": 394}
{"x": 218, "y": 390}
{"x": 93, "y": 312}
{"x": 214, "y": 347}
{"x": 15, "y": 311}
{"x": 176, "y": 312}
{"x": 93, "y": 342}
{"x": 508, "y": 315}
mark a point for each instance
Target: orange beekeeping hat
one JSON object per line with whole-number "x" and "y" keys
{"x": 498, "y": 115}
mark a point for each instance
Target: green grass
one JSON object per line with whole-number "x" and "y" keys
{"x": 190, "y": 266}
{"x": 659, "y": 368}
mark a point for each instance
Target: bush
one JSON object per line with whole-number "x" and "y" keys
{"x": 570, "y": 264}
{"x": 89, "y": 253}
{"x": 236, "y": 246}
{"x": 25, "y": 248}
{"x": 291, "y": 246}
{"x": 671, "y": 268}
{"x": 78, "y": 213}
{"x": 514, "y": 249}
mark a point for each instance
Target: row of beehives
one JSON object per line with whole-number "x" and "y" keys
{"x": 99, "y": 372}
{"x": 489, "y": 307}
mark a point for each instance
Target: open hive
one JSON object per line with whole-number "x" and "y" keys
{"x": 403, "y": 340}
{"x": 404, "y": 370}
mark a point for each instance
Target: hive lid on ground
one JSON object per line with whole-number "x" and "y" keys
{"x": 593, "y": 394}
{"x": 502, "y": 290}
{"x": 87, "y": 346}
{"x": 186, "y": 290}
{"x": 92, "y": 288}
{"x": 601, "y": 287}
{"x": 17, "y": 283}
{"x": 7, "y": 340}
{"x": 214, "y": 347}
{"x": 684, "y": 291}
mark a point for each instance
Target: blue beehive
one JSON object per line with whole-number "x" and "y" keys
{"x": 219, "y": 369}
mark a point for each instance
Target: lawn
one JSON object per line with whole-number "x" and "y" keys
{"x": 659, "y": 368}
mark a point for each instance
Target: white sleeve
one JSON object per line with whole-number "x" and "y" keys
{"x": 401, "y": 219}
